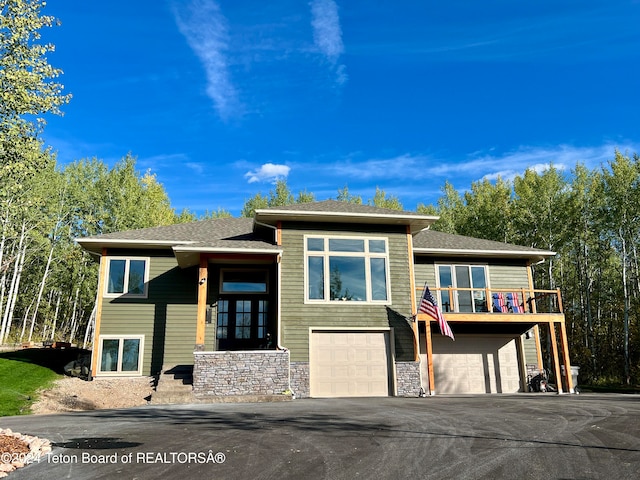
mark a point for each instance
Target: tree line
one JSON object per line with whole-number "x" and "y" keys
{"x": 590, "y": 217}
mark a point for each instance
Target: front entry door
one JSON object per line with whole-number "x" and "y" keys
{"x": 243, "y": 323}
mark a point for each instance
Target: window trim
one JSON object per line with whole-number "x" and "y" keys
{"x": 119, "y": 372}
{"x": 454, "y": 279}
{"x": 125, "y": 287}
{"x": 325, "y": 254}
{"x": 221, "y": 291}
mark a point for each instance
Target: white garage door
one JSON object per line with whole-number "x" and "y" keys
{"x": 474, "y": 364}
{"x": 349, "y": 364}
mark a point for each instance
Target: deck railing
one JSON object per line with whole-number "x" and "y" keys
{"x": 496, "y": 300}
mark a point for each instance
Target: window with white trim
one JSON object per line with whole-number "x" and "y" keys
{"x": 346, "y": 269}
{"x": 127, "y": 276}
{"x": 468, "y": 288}
{"x": 120, "y": 354}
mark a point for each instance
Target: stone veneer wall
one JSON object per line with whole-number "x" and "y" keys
{"x": 408, "y": 379}
{"x": 300, "y": 379}
{"x": 263, "y": 372}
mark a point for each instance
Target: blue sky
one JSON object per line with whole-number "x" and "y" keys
{"x": 220, "y": 98}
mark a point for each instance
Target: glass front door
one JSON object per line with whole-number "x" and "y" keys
{"x": 243, "y": 323}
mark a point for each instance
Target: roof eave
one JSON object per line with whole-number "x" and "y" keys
{"x": 534, "y": 255}
{"x": 416, "y": 222}
{"x": 95, "y": 245}
{"x": 190, "y": 256}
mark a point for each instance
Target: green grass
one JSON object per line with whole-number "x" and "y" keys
{"x": 24, "y": 373}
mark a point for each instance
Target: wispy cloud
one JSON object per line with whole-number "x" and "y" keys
{"x": 474, "y": 166}
{"x": 327, "y": 35}
{"x": 268, "y": 172}
{"x": 205, "y": 29}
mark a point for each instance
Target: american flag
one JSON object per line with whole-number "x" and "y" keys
{"x": 429, "y": 306}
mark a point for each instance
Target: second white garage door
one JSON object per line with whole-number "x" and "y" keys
{"x": 349, "y": 364}
{"x": 473, "y": 364}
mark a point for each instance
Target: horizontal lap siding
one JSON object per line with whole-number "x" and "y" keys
{"x": 501, "y": 275}
{"x": 167, "y": 318}
{"x": 425, "y": 272}
{"x": 297, "y": 317}
{"x": 508, "y": 276}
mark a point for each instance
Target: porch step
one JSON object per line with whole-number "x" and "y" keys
{"x": 175, "y": 386}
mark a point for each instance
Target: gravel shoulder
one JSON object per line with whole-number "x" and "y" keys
{"x": 70, "y": 394}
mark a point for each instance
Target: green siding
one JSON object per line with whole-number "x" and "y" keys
{"x": 167, "y": 318}
{"x": 508, "y": 276}
{"x": 297, "y": 317}
{"x": 530, "y": 352}
{"x": 501, "y": 274}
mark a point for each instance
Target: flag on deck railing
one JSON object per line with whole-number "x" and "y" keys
{"x": 429, "y": 306}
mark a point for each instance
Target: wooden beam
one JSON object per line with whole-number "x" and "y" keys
{"x": 556, "y": 358}
{"x": 565, "y": 357}
{"x": 279, "y": 233}
{"x": 96, "y": 329}
{"x": 203, "y": 280}
{"x": 432, "y": 388}
{"x": 530, "y": 278}
{"x": 501, "y": 317}
{"x": 414, "y": 308}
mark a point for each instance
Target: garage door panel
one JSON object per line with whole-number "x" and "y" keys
{"x": 475, "y": 364}
{"x": 349, "y": 364}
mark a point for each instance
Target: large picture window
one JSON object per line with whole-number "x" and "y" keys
{"x": 346, "y": 269}
{"x": 121, "y": 355}
{"x": 468, "y": 283}
{"x": 127, "y": 276}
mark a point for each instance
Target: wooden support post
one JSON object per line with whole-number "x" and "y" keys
{"x": 414, "y": 307}
{"x": 556, "y": 358}
{"x": 532, "y": 304}
{"x": 560, "y": 307}
{"x": 102, "y": 278}
{"x": 564, "y": 344}
{"x": 203, "y": 279}
{"x": 432, "y": 388}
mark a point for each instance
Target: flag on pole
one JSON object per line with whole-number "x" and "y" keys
{"x": 429, "y": 306}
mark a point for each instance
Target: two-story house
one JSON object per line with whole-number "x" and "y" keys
{"x": 320, "y": 299}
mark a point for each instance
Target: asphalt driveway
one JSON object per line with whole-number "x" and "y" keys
{"x": 492, "y": 436}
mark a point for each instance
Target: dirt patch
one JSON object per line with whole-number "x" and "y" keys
{"x": 71, "y": 394}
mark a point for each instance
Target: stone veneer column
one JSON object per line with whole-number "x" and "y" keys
{"x": 408, "y": 379}
{"x": 300, "y": 379}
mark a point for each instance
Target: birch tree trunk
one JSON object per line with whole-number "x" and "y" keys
{"x": 55, "y": 316}
{"x": 41, "y": 290}
{"x": 15, "y": 284}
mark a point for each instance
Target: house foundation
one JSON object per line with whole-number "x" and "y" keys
{"x": 232, "y": 373}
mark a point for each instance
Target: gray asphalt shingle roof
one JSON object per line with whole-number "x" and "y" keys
{"x": 228, "y": 233}
{"x": 433, "y": 240}
{"x": 336, "y": 206}
{"x": 239, "y": 233}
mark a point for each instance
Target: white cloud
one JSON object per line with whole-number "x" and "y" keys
{"x": 268, "y": 172}
{"x": 205, "y": 29}
{"x": 474, "y": 166}
{"x": 327, "y": 35}
{"x": 198, "y": 168}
